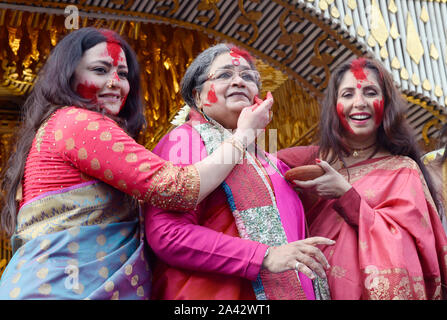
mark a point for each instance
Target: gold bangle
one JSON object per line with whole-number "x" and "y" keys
{"x": 237, "y": 144}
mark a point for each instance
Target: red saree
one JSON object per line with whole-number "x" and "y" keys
{"x": 390, "y": 243}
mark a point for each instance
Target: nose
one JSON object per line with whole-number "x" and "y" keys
{"x": 237, "y": 80}
{"x": 113, "y": 81}
{"x": 359, "y": 100}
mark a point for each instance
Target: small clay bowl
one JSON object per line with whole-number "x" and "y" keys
{"x": 304, "y": 173}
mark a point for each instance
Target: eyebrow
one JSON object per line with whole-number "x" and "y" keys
{"x": 368, "y": 86}
{"x": 230, "y": 66}
{"x": 108, "y": 64}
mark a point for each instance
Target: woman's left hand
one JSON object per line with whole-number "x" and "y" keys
{"x": 330, "y": 185}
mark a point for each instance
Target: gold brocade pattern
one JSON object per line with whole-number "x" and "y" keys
{"x": 391, "y": 163}
{"x": 396, "y": 284}
{"x": 171, "y": 185}
{"x": 88, "y": 205}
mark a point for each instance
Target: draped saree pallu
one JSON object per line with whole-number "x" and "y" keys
{"x": 81, "y": 242}
{"x": 252, "y": 202}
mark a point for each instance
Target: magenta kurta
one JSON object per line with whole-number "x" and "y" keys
{"x": 200, "y": 253}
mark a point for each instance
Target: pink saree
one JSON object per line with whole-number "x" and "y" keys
{"x": 390, "y": 243}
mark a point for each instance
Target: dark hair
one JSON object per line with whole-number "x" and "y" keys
{"x": 394, "y": 133}
{"x": 52, "y": 91}
{"x": 197, "y": 72}
{"x": 443, "y": 142}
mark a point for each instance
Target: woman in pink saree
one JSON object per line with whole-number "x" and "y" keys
{"x": 246, "y": 240}
{"x": 375, "y": 197}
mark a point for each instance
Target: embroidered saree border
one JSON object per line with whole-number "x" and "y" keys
{"x": 89, "y": 203}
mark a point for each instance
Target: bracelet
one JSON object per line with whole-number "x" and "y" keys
{"x": 267, "y": 252}
{"x": 237, "y": 144}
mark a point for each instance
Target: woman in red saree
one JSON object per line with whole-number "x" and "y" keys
{"x": 375, "y": 197}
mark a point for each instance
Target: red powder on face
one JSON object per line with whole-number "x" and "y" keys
{"x": 87, "y": 91}
{"x": 358, "y": 69}
{"x": 123, "y": 102}
{"x": 113, "y": 46}
{"x": 378, "y": 108}
{"x": 342, "y": 118}
{"x": 212, "y": 98}
{"x": 237, "y": 53}
{"x": 114, "y": 51}
{"x": 110, "y": 35}
{"x": 115, "y": 76}
{"x": 359, "y": 86}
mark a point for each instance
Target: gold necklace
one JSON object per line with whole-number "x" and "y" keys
{"x": 356, "y": 152}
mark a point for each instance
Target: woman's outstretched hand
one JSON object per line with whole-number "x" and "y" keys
{"x": 330, "y": 185}
{"x": 301, "y": 254}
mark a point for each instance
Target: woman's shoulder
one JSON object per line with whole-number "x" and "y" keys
{"x": 398, "y": 163}
{"x": 72, "y": 117}
{"x": 182, "y": 145}
{"x": 79, "y": 114}
{"x": 297, "y": 156}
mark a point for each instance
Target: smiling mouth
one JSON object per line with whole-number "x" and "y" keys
{"x": 110, "y": 97}
{"x": 360, "y": 117}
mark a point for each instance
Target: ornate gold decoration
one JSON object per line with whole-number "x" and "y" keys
{"x": 395, "y": 63}
{"x": 361, "y": 31}
{"x": 206, "y": 5}
{"x": 323, "y": 5}
{"x": 415, "y": 79}
{"x": 248, "y": 18}
{"x": 271, "y": 78}
{"x": 352, "y": 4}
{"x": 171, "y": 10}
{"x": 378, "y": 26}
{"x": 394, "y": 31}
{"x": 296, "y": 115}
{"x": 414, "y": 45}
{"x": 335, "y": 13}
{"x": 404, "y": 74}
{"x": 322, "y": 60}
{"x": 392, "y": 7}
{"x": 384, "y": 52}
{"x": 288, "y": 39}
{"x": 424, "y": 14}
{"x": 371, "y": 41}
{"x": 438, "y": 120}
{"x": 438, "y": 91}
{"x": 434, "y": 52}
{"x": 348, "y": 20}
{"x": 426, "y": 85}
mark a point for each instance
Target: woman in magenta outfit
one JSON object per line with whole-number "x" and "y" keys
{"x": 246, "y": 240}
{"x": 73, "y": 183}
{"x": 372, "y": 199}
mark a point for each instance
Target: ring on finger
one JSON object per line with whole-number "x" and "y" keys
{"x": 297, "y": 265}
